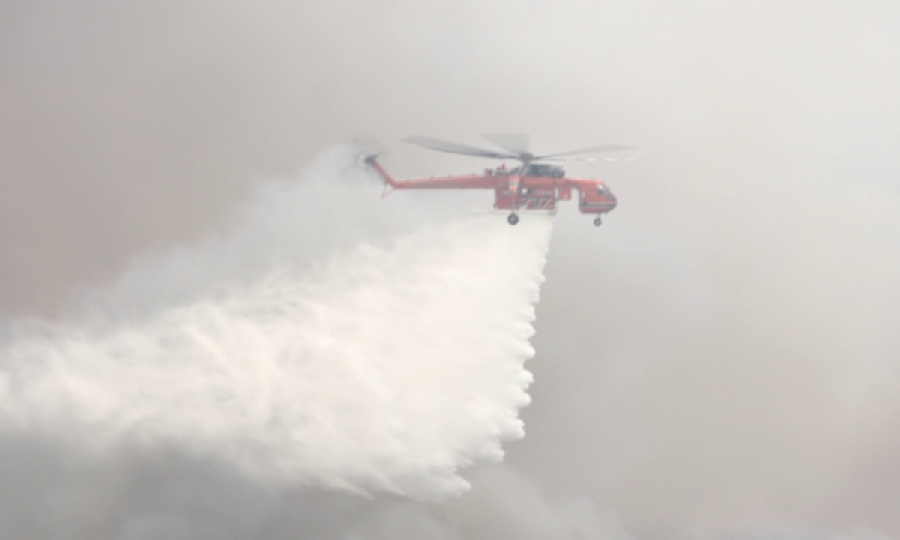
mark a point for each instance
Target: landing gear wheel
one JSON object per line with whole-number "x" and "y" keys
{"x": 512, "y": 219}
{"x": 598, "y": 222}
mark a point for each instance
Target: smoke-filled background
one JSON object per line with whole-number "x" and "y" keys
{"x": 719, "y": 360}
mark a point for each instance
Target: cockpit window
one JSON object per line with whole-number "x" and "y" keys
{"x": 600, "y": 189}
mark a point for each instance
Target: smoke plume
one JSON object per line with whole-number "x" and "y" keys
{"x": 255, "y": 365}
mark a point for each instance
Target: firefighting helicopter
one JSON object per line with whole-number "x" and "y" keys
{"x": 533, "y": 185}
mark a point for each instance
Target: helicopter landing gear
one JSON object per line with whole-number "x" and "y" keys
{"x": 512, "y": 219}
{"x": 598, "y": 222}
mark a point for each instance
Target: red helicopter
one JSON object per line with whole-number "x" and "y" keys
{"x": 531, "y": 186}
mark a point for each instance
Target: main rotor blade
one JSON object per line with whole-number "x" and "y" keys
{"x": 454, "y": 148}
{"x": 517, "y": 143}
{"x": 603, "y": 148}
{"x": 574, "y": 158}
{"x": 625, "y": 159}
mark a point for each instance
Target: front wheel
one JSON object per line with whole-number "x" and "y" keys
{"x": 598, "y": 222}
{"x": 512, "y": 219}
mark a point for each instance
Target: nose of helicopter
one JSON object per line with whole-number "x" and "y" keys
{"x": 610, "y": 197}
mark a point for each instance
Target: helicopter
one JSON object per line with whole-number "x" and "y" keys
{"x": 533, "y": 185}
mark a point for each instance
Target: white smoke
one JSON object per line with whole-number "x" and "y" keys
{"x": 385, "y": 368}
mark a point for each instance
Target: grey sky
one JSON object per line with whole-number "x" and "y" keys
{"x": 722, "y": 352}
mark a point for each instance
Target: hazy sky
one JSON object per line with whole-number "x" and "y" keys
{"x": 720, "y": 357}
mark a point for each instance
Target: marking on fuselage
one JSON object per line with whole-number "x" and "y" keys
{"x": 537, "y": 203}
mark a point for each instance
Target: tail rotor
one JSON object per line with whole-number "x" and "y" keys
{"x": 368, "y": 149}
